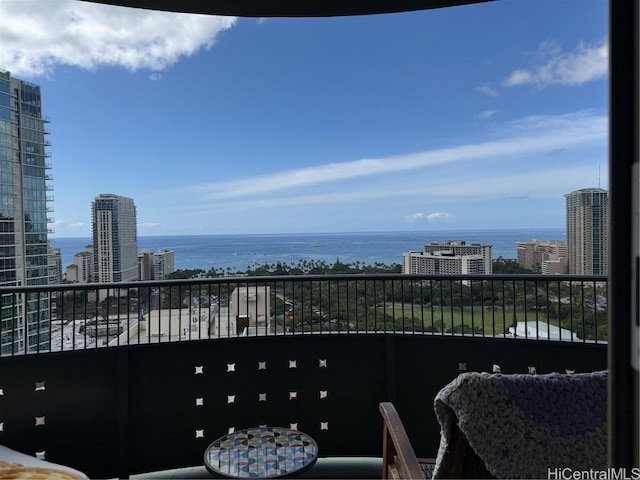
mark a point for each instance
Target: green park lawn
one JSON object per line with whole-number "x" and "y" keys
{"x": 495, "y": 321}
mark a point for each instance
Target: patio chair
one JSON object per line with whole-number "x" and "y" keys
{"x": 507, "y": 426}
{"x": 398, "y": 458}
{"x": 521, "y": 426}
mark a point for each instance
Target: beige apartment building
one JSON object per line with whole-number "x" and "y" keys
{"x": 543, "y": 256}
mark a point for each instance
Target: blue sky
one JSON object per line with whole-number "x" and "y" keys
{"x": 470, "y": 117}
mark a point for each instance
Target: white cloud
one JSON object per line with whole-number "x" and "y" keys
{"x": 148, "y": 225}
{"x": 525, "y": 137}
{"x": 487, "y": 90}
{"x": 437, "y": 217}
{"x": 487, "y": 114}
{"x": 431, "y": 217}
{"x": 414, "y": 217}
{"x": 583, "y": 64}
{"x": 553, "y": 180}
{"x": 582, "y": 122}
{"x": 38, "y": 35}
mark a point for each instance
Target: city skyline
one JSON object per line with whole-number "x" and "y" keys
{"x": 480, "y": 116}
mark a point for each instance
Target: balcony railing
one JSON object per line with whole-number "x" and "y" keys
{"x": 139, "y": 377}
{"x": 566, "y": 308}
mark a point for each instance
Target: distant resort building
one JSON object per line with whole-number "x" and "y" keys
{"x": 81, "y": 270}
{"x": 151, "y": 266}
{"x": 156, "y": 266}
{"x": 164, "y": 263}
{"x": 543, "y": 256}
{"x": 451, "y": 258}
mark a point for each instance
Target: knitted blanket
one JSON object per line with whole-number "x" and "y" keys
{"x": 522, "y": 426}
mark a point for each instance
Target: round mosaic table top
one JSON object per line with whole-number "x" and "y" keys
{"x": 261, "y": 452}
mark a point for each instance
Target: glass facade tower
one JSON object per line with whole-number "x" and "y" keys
{"x": 588, "y": 231}
{"x": 24, "y": 232}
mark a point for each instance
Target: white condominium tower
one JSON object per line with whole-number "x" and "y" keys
{"x": 588, "y": 231}
{"x": 115, "y": 240}
{"x": 24, "y": 319}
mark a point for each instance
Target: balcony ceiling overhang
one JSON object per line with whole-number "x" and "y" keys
{"x": 287, "y": 8}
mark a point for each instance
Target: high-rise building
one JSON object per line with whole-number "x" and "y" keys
{"x": 145, "y": 265}
{"x": 24, "y": 255}
{"x": 55, "y": 266}
{"x": 588, "y": 231}
{"x": 164, "y": 263}
{"x": 115, "y": 239}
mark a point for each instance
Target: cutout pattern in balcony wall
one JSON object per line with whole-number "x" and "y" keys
{"x": 39, "y": 420}
{"x": 55, "y": 405}
{"x": 496, "y": 368}
{"x": 255, "y": 408}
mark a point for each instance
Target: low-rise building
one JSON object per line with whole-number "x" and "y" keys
{"x": 442, "y": 263}
{"x": 167, "y": 325}
{"x": 250, "y": 308}
{"x": 541, "y": 330}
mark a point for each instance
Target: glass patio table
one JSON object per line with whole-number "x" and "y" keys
{"x": 261, "y": 452}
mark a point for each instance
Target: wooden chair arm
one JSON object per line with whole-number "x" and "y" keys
{"x": 398, "y": 458}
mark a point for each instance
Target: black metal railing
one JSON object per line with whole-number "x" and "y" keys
{"x": 79, "y": 316}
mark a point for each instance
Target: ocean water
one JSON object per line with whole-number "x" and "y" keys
{"x": 240, "y": 252}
